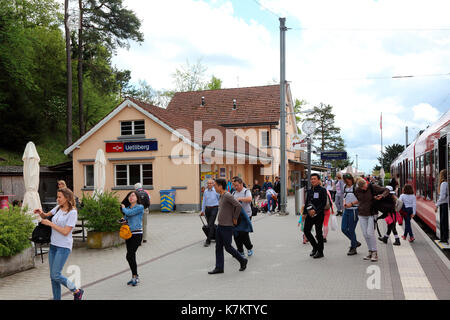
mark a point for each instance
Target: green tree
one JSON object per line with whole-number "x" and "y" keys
{"x": 390, "y": 153}
{"x": 190, "y": 77}
{"x": 298, "y": 105}
{"x": 327, "y": 134}
{"x": 31, "y": 70}
{"x": 214, "y": 84}
{"x": 109, "y": 24}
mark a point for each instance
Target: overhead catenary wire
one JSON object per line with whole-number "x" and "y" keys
{"x": 265, "y": 8}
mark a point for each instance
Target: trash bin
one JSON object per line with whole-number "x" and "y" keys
{"x": 167, "y": 200}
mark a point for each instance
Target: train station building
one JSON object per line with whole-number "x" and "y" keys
{"x": 200, "y": 135}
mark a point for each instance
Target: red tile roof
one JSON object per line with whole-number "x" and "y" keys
{"x": 254, "y": 105}
{"x": 177, "y": 122}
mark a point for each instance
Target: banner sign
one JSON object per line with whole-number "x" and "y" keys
{"x": 333, "y": 155}
{"x": 131, "y": 146}
{"x": 298, "y": 142}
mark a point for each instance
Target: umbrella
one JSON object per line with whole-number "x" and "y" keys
{"x": 31, "y": 178}
{"x": 99, "y": 172}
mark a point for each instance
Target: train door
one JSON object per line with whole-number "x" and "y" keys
{"x": 442, "y": 147}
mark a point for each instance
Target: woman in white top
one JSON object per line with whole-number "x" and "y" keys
{"x": 64, "y": 218}
{"x": 442, "y": 203}
{"x": 409, "y": 203}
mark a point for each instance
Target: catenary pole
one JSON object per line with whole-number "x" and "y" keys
{"x": 283, "y": 188}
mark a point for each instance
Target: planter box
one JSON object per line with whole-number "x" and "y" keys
{"x": 20, "y": 262}
{"x": 101, "y": 240}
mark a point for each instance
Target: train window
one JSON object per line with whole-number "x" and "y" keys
{"x": 411, "y": 170}
{"x": 432, "y": 177}
{"x": 422, "y": 176}
{"x": 417, "y": 176}
{"x": 427, "y": 186}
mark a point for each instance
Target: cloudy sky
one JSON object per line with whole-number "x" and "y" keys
{"x": 342, "y": 53}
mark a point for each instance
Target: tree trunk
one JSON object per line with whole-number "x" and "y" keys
{"x": 69, "y": 74}
{"x": 80, "y": 71}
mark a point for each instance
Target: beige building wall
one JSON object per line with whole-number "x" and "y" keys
{"x": 166, "y": 173}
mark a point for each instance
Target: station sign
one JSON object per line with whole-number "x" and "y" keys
{"x": 131, "y": 146}
{"x": 333, "y": 155}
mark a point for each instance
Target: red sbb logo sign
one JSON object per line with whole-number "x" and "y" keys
{"x": 114, "y": 147}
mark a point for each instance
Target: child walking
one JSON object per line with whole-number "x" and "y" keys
{"x": 409, "y": 207}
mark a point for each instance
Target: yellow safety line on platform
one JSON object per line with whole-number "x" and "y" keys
{"x": 416, "y": 285}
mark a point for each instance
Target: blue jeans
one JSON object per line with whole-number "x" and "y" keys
{"x": 270, "y": 203}
{"x": 224, "y": 237}
{"x": 57, "y": 257}
{"x": 408, "y": 228}
{"x": 348, "y": 226}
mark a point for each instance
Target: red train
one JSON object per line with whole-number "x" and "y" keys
{"x": 420, "y": 164}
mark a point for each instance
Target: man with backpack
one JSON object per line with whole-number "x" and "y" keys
{"x": 144, "y": 198}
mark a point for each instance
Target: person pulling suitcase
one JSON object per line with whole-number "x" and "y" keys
{"x": 210, "y": 207}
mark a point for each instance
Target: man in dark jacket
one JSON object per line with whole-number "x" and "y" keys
{"x": 277, "y": 189}
{"x": 316, "y": 200}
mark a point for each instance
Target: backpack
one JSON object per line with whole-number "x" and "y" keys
{"x": 385, "y": 205}
{"x": 42, "y": 233}
{"x": 143, "y": 198}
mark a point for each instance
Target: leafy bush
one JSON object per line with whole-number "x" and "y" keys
{"x": 101, "y": 213}
{"x": 15, "y": 231}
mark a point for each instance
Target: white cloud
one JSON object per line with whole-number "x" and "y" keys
{"x": 336, "y": 60}
{"x": 425, "y": 112}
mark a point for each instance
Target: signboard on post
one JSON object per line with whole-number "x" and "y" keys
{"x": 299, "y": 142}
{"x": 333, "y": 155}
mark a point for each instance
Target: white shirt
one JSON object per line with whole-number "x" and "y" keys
{"x": 330, "y": 185}
{"x": 349, "y": 195}
{"x": 443, "y": 194}
{"x": 270, "y": 192}
{"x": 409, "y": 200}
{"x": 245, "y": 205}
{"x": 63, "y": 219}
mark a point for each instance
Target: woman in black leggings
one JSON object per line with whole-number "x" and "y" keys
{"x": 133, "y": 216}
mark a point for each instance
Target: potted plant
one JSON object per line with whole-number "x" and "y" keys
{"x": 101, "y": 213}
{"x": 16, "y": 252}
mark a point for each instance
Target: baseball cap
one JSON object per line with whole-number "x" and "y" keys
{"x": 138, "y": 186}
{"x": 391, "y": 190}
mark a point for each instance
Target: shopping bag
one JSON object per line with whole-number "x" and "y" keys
{"x": 334, "y": 223}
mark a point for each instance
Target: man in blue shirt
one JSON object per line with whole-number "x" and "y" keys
{"x": 210, "y": 207}
{"x": 267, "y": 184}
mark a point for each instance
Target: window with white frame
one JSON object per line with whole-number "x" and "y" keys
{"x": 131, "y": 128}
{"x": 264, "y": 138}
{"x": 89, "y": 175}
{"x": 129, "y": 174}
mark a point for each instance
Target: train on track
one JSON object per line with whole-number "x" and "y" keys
{"x": 419, "y": 165}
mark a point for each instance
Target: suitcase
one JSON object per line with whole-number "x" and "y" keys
{"x": 206, "y": 230}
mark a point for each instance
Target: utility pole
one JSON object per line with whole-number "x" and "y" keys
{"x": 406, "y": 136}
{"x": 283, "y": 185}
{"x": 309, "y": 162}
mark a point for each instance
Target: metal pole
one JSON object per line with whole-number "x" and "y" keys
{"x": 406, "y": 136}
{"x": 309, "y": 162}
{"x": 283, "y": 184}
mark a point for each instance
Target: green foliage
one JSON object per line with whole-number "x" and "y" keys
{"x": 101, "y": 213}
{"x": 15, "y": 230}
{"x": 390, "y": 153}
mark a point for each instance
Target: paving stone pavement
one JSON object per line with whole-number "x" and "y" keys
{"x": 173, "y": 264}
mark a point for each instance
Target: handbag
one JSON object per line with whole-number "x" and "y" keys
{"x": 125, "y": 232}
